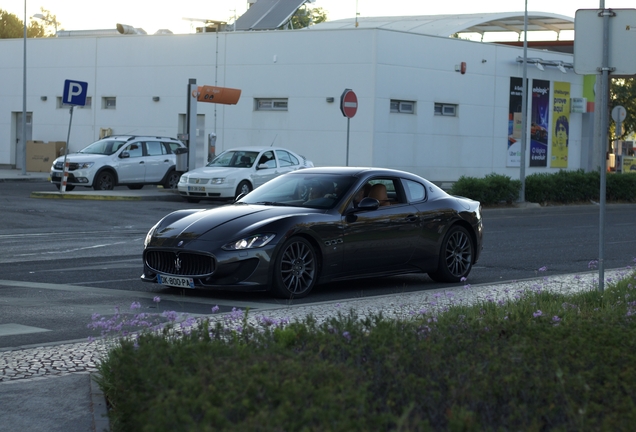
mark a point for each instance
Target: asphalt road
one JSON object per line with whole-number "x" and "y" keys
{"x": 61, "y": 261}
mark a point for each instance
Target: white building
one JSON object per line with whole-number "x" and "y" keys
{"x": 406, "y": 73}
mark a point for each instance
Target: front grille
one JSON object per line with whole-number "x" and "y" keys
{"x": 72, "y": 166}
{"x": 180, "y": 263}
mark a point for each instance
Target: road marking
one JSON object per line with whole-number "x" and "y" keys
{"x": 133, "y": 294}
{"x": 19, "y": 329}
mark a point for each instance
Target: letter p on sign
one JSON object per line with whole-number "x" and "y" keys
{"x": 75, "y": 92}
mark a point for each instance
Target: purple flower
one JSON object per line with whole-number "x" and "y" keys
{"x": 556, "y": 319}
{"x": 542, "y": 269}
{"x": 135, "y": 305}
{"x": 463, "y": 279}
{"x": 346, "y": 335}
{"x": 592, "y": 264}
{"x": 171, "y": 315}
{"x": 156, "y": 299}
{"x": 538, "y": 313}
{"x": 215, "y": 309}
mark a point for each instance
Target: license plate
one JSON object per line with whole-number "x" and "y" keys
{"x": 175, "y": 281}
{"x": 196, "y": 188}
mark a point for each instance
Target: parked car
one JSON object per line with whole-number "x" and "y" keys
{"x": 314, "y": 226}
{"x": 239, "y": 171}
{"x": 124, "y": 160}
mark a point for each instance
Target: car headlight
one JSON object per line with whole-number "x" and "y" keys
{"x": 151, "y": 232}
{"x": 85, "y": 165}
{"x": 217, "y": 180}
{"x": 251, "y": 242}
{"x": 183, "y": 178}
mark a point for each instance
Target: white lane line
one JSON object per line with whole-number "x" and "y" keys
{"x": 12, "y": 329}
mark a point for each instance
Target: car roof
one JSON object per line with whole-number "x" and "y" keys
{"x": 256, "y": 148}
{"x": 136, "y": 137}
{"x": 356, "y": 171}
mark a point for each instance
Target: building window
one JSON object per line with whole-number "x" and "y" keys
{"x": 109, "y": 102}
{"x": 271, "y": 104}
{"x": 444, "y": 109}
{"x": 401, "y": 106}
{"x": 60, "y": 104}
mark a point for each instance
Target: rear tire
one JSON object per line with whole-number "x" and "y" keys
{"x": 295, "y": 269}
{"x": 455, "y": 256}
{"x": 104, "y": 180}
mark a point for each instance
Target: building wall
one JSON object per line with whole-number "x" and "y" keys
{"x": 306, "y": 67}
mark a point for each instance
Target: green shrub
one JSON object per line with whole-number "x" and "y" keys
{"x": 491, "y": 190}
{"x": 545, "y": 362}
{"x": 562, "y": 187}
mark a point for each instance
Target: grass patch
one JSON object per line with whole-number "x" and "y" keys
{"x": 544, "y": 361}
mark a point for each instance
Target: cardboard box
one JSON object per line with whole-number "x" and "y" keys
{"x": 40, "y": 155}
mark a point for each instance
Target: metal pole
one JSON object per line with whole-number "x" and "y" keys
{"x": 603, "y": 138}
{"x": 24, "y": 98}
{"x": 348, "y": 123}
{"x": 68, "y": 140}
{"x": 524, "y": 108}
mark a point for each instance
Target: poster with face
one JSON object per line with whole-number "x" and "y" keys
{"x": 560, "y": 125}
{"x": 539, "y": 123}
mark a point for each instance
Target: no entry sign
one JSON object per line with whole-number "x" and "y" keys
{"x": 348, "y": 103}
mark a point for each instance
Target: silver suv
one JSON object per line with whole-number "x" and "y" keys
{"x": 124, "y": 160}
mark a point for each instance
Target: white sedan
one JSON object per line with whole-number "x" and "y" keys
{"x": 239, "y": 171}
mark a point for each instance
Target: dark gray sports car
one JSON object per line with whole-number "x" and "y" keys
{"x": 314, "y": 226}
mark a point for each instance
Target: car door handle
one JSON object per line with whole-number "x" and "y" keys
{"x": 167, "y": 160}
{"x": 412, "y": 218}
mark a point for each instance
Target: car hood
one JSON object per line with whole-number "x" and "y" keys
{"x": 223, "y": 223}
{"x": 211, "y": 172}
{"x": 82, "y": 157}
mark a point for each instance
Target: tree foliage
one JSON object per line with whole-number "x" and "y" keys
{"x": 306, "y": 16}
{"x": 623, "y": 92}
{"x": 12, "y": 27}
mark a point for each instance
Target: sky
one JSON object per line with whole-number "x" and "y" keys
{"x": 152, "y": 15}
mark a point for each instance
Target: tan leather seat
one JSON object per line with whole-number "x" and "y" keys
{"x": 378, "y": 191}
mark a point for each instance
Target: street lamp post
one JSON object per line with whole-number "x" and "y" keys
{"x": 24, "y": 96}
{"x": 43, "y": 18}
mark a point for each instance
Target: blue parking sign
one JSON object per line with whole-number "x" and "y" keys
{"x": 75, "y": 93}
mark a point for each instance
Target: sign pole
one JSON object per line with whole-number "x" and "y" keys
{"x": 68, "y": 137}
{"x": 348, "y": 124}
{"x": 348, "y": 107}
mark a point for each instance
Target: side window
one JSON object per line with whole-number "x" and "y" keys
{"x": 134, "y": 150}
{"x": 415, "y": 192}
{"x": 286, "y": 159}
{"x": 172, "y": 146}
{"x": 155, "y": 148}
{"x": 268, "y": 159}
{"x": 385, "y": 191}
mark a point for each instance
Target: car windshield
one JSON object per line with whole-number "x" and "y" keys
{"x": 319, "y": 191}
{"x": 234, "y": 159}
{"x": 103, "y": 147}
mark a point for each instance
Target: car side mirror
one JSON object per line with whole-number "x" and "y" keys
{"x": 262, "y": 166}
{"x": 367, "y": 204}
{"x": 124, "y": 155}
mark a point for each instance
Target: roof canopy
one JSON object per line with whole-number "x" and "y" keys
{"x": 448, "y": 25}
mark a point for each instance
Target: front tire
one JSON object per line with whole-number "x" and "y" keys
{"x": 455, "y": 256}
{"x": 172, "y": 180}
{"x": 295, "y": 269}
{"x": 104, "y": 180}
{"x": 244, "y": 187}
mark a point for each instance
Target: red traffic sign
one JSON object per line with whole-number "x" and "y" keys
{"x": 348, "y": 103}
